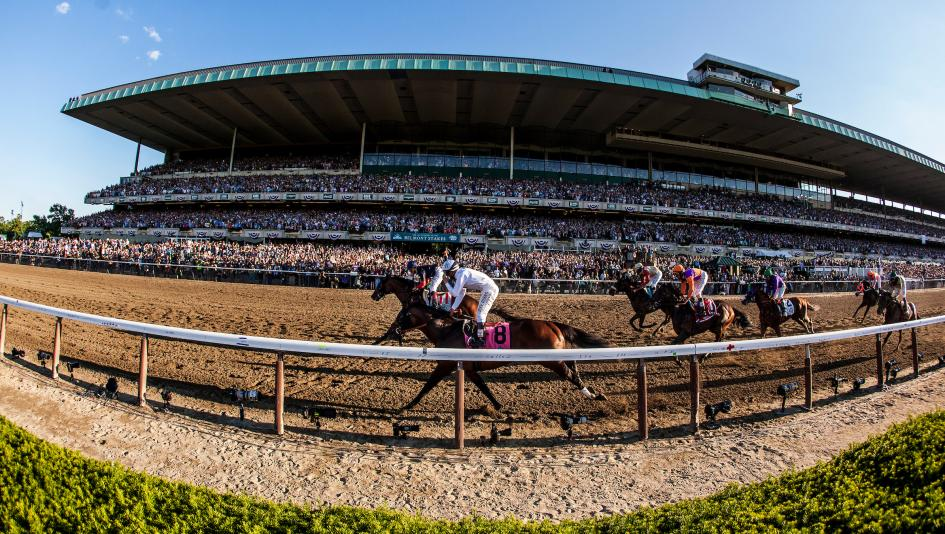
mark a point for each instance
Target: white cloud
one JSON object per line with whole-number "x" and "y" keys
{"x": 153, "y": 55}
{"x": 63, "y": 8}
{"x": 123, "y": 14}
{"x": 152, "y": 33}
{"x": 124, "y": 39}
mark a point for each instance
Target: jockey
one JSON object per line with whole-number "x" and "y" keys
{"x": 649, "y": 275}
{"x": 872, "y": 279}
{"x": 692, "y": 282}
{"x": 897, "y": 284}
{"x": 465, "y": 278}
{"x": 774, "y": 285}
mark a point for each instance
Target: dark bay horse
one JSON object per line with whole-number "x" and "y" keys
{"x": 685, "y": 324}
{"x": 870, "y": 299}
{"x": 405, "y": 289}
{"x": 664, "y": 299}
{"x": 769, "y": 312}
{"x": 893, "y": 312}
{"x": 446, "y": 332}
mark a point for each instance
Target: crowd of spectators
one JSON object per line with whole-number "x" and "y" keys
{"x": 637, "y": 192}
{"x": 494, "y": 225}
{"x": 378, "y": 260}
{"x": 248, "y": 163}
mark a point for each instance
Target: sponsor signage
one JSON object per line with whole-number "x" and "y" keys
{"x": 424, "y": 237}
{"x": 534, "y": 202}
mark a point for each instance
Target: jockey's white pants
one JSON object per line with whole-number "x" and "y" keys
{"x": 654, "y": 279}
{"x": 699, "y": 286}
{"x": 898, "y": 292}
{"x": 486, "y": 300}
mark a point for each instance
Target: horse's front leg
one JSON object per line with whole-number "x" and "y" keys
{"x": 636, "y": 316}
{"x": 480, "y": 383}
{"x": 441, "y": 371}
{"x": 663, "y": 324}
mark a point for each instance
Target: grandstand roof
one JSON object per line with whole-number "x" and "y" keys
{"x": 462, "y": 98}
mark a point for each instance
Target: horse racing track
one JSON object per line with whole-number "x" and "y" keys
{"x": 367, "y": 393}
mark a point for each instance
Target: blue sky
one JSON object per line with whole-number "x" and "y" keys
{"x": 878, "y": 66}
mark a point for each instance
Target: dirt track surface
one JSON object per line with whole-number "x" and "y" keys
{"x": 533, "y": 474}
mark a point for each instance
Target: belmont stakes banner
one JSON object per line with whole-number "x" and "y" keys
{"x": 424, "y": 237}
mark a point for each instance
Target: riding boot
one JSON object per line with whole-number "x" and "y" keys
{"x": 478, "y": 339}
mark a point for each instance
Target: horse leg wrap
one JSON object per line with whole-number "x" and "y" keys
{"x": 587, "y": 393}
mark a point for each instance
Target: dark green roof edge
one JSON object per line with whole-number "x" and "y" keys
{"x": 472, "y": 63}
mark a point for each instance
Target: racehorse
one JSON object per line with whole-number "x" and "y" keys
{"x": 446, "y": 332}
{"x": 404, "y": 289}
{"x": 870, "y": 298}
{"x": 893, "y": 312}
{"x": 663, "y": 300}
{"x": 685, "y": 324}
{"x": 769, "y": 311}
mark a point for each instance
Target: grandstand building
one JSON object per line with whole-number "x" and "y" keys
{"x": 307, "y": 140}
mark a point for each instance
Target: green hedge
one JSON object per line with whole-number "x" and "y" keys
{"x": 891, "y": 483}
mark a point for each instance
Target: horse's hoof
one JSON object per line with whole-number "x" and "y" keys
{"x": 600, "y": 397}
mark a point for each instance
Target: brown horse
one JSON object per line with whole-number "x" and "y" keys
{"x": 662, "y": 300}
{"x": 685, "y": 324}
{"x": 893, "y": 312}
{"x": 404, "y": 289}
{"x": 870, "y": 299}
{"x": 769, "y": 311}
{"x": 446, "y": 332}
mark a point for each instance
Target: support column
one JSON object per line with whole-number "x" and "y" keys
{"x": 642, "y": 408}
{"x": 363, "y": 136}
{"x": 280, "y": 393}
{"x": 915, "y": 351}
{"x": 3, "y": 331}
{"x": 57, "y": 346}
{"x": 512, "y": 154}
{"x": 808, "y": 379}
{"x": 649, "y": 166}
{"x": 460, "y": 426}
{"x": 756, "y": 180}
{"x": 695, "y": 385}
{"x": 232, "y": 149}
{"x": 137, "y": 157}
{"x": 143, "y": 372}
{"x": 879, "y": 361}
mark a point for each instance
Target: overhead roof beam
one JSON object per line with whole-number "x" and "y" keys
{"x": 304, "y": 109}
{"x": 350, "y": 98}
{"x": 219, "y": 117}
{"x": 271, "y": 124}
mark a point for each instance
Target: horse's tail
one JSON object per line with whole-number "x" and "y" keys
{"x": 743, "y": 320}
{"x": 504, "y": 314}
{"x": 583, "y": 340}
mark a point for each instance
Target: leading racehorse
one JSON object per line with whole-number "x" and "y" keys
{"x": 663, "y": 299}
{"x": 870, "y": 298}
{"x": 893, "y": 312}
{"x": 770, "y": 313}
{"x": 446, "y": 332}
{"x": 404, "y": 289}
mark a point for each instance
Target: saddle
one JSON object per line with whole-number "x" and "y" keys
{"x": 786, "y": 307}
{"x": 496, "y": 336}
{"x": 709, "y": 310}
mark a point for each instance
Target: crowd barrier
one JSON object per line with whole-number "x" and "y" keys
{"x": 691, "y": 351}
{"x": 343, "y": 280}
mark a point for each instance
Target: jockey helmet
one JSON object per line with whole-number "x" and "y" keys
{"x": 638, "y": 267}
{"x": 411, "y": 265}
{"x": 871, "y": 274}
{"x": 450, "y": 265}
{"x": 893, "y": 275}
{"x": 678, "y": 268}
{"x": 769, "y": 271}
{"x": 697, "y": 264}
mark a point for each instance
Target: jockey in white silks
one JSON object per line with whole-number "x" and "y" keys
{"x": 463, "y": 279}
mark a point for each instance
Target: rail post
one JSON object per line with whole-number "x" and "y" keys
{"x": 695, "y": 384}
{"x": 879, "y": 361}
{"x": 460, "y": 425}
{"x": 915, "y": 354}
{"x": 57, "y": 346}
{"x": 808, "y": 379}
{"x": 143, "y": 372}
{"x": 642, "y": 401}
{"x": 280, "y": 393}
{"x": 3, "y": 330}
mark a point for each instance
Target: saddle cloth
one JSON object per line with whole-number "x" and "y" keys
{"x": 709, "y": 310}
{"x": 439, "y": 300}
{"x": 787, "y": 308}
{"x": 497, "y": 335}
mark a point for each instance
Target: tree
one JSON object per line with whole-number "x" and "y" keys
{"x": 15, "y": 227}
{"x": 51, "y": 225}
